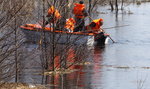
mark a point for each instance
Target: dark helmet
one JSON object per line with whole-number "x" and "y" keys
{"x": 81, "y": 2}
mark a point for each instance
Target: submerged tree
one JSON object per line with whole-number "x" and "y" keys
{"x": 12, "y": 14}
{"x": 53, "y": 56}
{"x": 93, "y": 3}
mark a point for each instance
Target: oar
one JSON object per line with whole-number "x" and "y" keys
{"x": 103, "y": 31}
{"x": 108, "y": 36}
{"x": 111, "y": 39}
{"x": 116, "y": 27}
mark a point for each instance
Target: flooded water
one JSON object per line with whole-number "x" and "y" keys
{"x": 121, "y": 65}
{"x": 125, "y": 64}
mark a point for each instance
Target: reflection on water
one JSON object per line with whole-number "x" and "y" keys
{"x": 68, "y": 80}
{"x": 122, "y": 65}
{"x": 124, "y": 62}
{"x": 84, "y": 78}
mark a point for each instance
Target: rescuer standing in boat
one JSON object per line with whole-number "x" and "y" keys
{"x": 80, "y": 13}
{"x": 95, "y": 26}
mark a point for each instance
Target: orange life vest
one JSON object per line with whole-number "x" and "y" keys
{"x": 54, "y": 11}
{"x": 78, "y": 10}
{"x": 98, "y": 24}
{"x": 70, "y": 24}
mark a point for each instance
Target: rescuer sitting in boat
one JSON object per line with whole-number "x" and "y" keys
{"x": 95, "y": 26}
{"x": 80, "y": 13}
{"x": 70, "y": 25}
{"x": 53, "y": 15}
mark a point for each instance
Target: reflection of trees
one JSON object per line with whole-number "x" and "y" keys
{"x": 74, "y": 60}
{"x": 97, "y": 66}
{"x": 50, "y": 57}
{"x": 53, "y": 55}
{"x": 80, "y": 78}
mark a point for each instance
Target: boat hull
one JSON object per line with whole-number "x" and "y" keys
{"x": 37, "y": 35}
{"x": 63, "y": 38}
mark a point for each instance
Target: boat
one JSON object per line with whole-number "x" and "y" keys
{"x": 37, "y": 33}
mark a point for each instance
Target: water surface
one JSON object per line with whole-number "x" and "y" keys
{"x": 120, "y": 65}
{"x": 126, "y": 63}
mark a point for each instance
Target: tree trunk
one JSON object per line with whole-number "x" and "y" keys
{"x": 111, "y": 5}
{"x": 90, "y": 2}
{"x": 122, "y": 4}
{"x": 116, "y": 4}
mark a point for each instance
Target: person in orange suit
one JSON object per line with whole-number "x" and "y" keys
{"x": 80, "y": 13}
{"x": 53, "y": 15}
{"x": 70, "y": 25}
{"x": 95, "y": 26}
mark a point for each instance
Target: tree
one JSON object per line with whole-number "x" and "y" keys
{"x": 53, "y": 56}
{"x": 12, "y": 13}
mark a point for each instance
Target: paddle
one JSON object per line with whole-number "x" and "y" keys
{"x": 103, "y": 31}
{"x": 108, "y": 36}
{"x": 116, "y": 27}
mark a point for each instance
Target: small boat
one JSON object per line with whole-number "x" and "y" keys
{"x": 36, "y": 33}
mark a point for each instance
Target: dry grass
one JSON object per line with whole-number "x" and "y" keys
{"x": 20, "y": 86}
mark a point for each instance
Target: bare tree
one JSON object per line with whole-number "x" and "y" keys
{"x": 122, "y": 4}
{"x": 111, "y": 5}
{"x": 54, "y": 57}
{"x": 12, "y": 13}
{"x": 93, "y": 3}
{"x": 116, "y": 5}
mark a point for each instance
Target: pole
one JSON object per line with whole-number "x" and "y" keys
{"x": 116, "y": 27}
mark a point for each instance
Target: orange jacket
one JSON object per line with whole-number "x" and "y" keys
{"x": 54, "y": 11}
{"x": 78, "y": 10}
{"x": 98, "y": 24}
{"x": 70, "y": 24}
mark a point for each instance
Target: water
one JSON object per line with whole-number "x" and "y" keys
{"x": 126, "y": 62}
{"x": 120, "y": 65}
